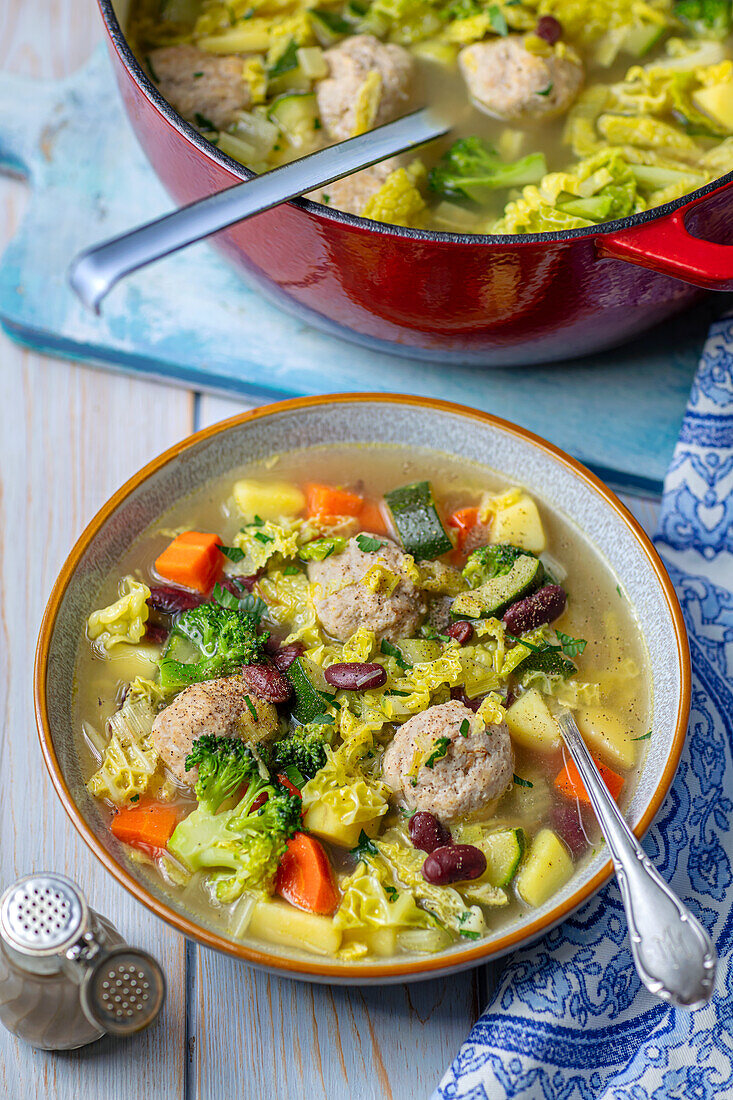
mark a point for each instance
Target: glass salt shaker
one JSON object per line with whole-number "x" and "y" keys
{"x": 66, "y": 975}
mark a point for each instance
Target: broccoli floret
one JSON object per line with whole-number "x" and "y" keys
{"x": 305, "y": 748}
{"x": 243, "y": 845}
{"x": 225, "y": 764}
{"x": 487, "y": 562}
{"x": 705, "y": 18}
{"x": 224, "y": 638}
{"x": 472, "y": 169}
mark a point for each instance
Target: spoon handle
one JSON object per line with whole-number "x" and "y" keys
{"x": 673, "y": 953}
{"x": 94, "y": 272}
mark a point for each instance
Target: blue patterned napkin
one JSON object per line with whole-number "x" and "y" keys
{"x": 570, "y": 1019}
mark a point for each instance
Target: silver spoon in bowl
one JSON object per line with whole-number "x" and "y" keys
{"x": 674, "y": 955}
{"x": 95, "y": 271}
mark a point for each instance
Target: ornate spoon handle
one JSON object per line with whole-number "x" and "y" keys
{"x": 673, "y": 953}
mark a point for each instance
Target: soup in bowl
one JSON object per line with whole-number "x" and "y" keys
{"x": 304, "y": 676}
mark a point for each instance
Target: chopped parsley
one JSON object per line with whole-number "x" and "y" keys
{"x": 365, "y": 847}
{"x": 262, "y": 537}
{"x": 464, "y": 727}
{"x": 325, "y": 198}
{"x": 257, "y": 522}
{"x": 546, "y": 91}
{"x": 197, "y": 75}
{"x": 497, "y": 19}
{"x": 432, "y": 634}
{"x": 522, "y": 782}
{"x": 394, "y": 691}
{"x": 644, "y": 736}
{"x": 203, "y": 122}
{"x": 618, "y": 589}
{"x": 225, "y": 598}
{"x": 367, "y": 544}
{"x": 571, "y": 647}
{"x": 440, "y": 749}
{"x": 391, "y": 650}
{"x": 251, "y": 707}
{"x": 391, "y": 892}
{"x": 234, "y": 553}
{"x": 286, "y": 62}
{"x": 322, "y": 720}
{"x": 135, "y": 798}
{"x": 254, "y": 605}
{"x": 291, "y": 571}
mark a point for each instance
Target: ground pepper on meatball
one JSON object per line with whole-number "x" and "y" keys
{"x": 220, "y": 707}
{"x": 514, "y": 84}
{"x": 472, "y": 764}
{"x": 343, "y": 603}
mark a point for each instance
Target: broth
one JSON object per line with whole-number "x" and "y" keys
{"x": 573, "y": 112}
{"x": 608, "y": 688}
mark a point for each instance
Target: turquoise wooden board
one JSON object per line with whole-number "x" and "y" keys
{"x": 193, "y": 321}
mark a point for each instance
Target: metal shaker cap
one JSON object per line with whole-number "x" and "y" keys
{"x": 124, "y": 991}
{"x": 42, "y": 914}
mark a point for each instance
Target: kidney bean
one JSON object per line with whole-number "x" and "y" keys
{"x": 565, "y": 819}
{"x": 283, "y": 657}
{"x": 156, "y": 634}
{"x": 453, "y": 863}
{"x": 472, "y": 704}
{"x": 164, "y": 599}
{"x": 238, "y": 584}
{"x": 543, "y": 606}
{"x": 427, "y": 833}
{"x": 461, "y": 631}
{"x": 549, "y": 28}
{"x": 258, "y": 802}
{"x": 267, "y": 682}
{"x": 354, "y": 676}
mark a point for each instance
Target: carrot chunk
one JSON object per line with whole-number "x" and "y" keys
{"x": 373, "y": 519}
{"x": 569, "y": 783}
{"x": 328, "y": 503}
{"x": 463, "y": 520}
{"x": 193, "y": 560}
{"x": 305, "y": 878}
{"x": 148, "y": 824}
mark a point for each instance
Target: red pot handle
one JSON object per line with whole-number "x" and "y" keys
{"x": 665, "y": 245}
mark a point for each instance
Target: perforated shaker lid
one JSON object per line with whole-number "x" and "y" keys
{"x": 124, "y": 991}
{"x": 42, "y": 914}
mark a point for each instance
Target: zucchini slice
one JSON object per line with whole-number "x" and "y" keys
{"x": 495, "y": 596}
{"x": 417, "y": 521}
{"x": 295, "y": 116}
{"x": 503, "y": 851}
{"x": 308, "y": 701}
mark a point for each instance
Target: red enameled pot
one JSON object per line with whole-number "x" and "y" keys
{"x": 491, "y": 301}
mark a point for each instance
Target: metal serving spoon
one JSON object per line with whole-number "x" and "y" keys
{"x": 95, "y": 271}
{"x": 673, "y": 953}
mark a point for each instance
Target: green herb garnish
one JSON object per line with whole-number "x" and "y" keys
{"x": 251, "y": 708}
{"x": 234, "y": 553}
{"x": 365, "y": 847}
{"x": 368, "y": 545}
{"x": 497, "y": 19}
{"x": 391, "y": 650}
{"x": 547, "y": 90}
{"x": 432, "y": 634}
{"x": 391, "y": 892}
{"x": 440, "y": 749}
{"x": 571, "y": 647}
{"x": 522, "y": 782}
{"x": 464, "y": 727}
{"x": 291, "y": 571}
{"x": 203, "y": 122}
{"x": 644, "y": 736}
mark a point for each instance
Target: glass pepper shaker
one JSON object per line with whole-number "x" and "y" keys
{"x": 66, "y": 975}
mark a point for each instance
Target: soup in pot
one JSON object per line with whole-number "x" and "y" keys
{"x": 574, "y": 112}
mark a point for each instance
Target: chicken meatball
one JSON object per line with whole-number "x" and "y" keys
{"x": 477, "y": 767}
{"x": 216, "y": 707}
{"x": 343, "y": 603}
{"x": 353, "y": 192}
{"x": 350, "y": 64}
{"x": 513, "y": 84}
{"x": 197, "y": 83}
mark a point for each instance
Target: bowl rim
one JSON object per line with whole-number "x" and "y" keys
{"x": 317, "y": 970}
{"x": 191, "y": 135}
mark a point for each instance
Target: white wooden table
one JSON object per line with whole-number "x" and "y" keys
{"x": 68, "y": 437}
